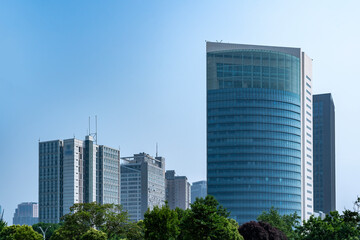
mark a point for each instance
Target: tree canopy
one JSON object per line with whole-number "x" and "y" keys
{"x": 135, "y": 231}
{"x": 93, "y": 234}
{"x": 108, "y": 218}
{"x": 208, "y": 220}
{"x": 285, "y": 223}
{"x": 2, "y": 224}
{"x": 334, "y": 226}
{"x": 48, "y": 227}
{"x": 161, "y": 223}
{"x": 17, "y": 232}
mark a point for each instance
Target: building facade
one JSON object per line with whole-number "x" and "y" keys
{"x": 198, "y": 190}
{"x": 259, "y": 129}
{"x": 26, "y": 213}
{"x": 324, "y": 153}
{"x": 177, "y": 188}
{"x": 75, "y": 171}
{"x": 142, "y": 184}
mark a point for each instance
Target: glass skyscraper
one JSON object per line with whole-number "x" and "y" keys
{"x": 324, "y": 153}
{"x": 259, "y": 129}
{"x": 198, "y": 190}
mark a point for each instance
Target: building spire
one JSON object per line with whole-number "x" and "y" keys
{"x": 157, "y": 148}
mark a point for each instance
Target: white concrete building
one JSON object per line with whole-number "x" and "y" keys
{"x": 75, "y": 171}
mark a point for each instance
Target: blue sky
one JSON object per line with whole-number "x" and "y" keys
{"x": 140, "y": 67}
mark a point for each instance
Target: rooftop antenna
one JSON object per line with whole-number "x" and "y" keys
{"x": 96, "y": 128}
{"x": 89, "y": 126}
{"x": 94, "y": 135}
{"x": 157, "y": 149}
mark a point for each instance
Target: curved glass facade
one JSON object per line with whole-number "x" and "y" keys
{"x": 254, "y": 131}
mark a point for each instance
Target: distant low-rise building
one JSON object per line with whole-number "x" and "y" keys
{"x": 198, "y": 190}
{"x": 27, "y": 213}
{"x": 177, "y": 190}
{"x": 142, "y": 184}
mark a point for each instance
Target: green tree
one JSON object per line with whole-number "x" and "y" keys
{"x": 161, "y": 223}
{"x": 135, "y": 231}
{"x": 3, "y": 224}
{"x": 48, "y": 227}
{"x": 285, "y": 223}
{"x": 334, "y": 226}
{"x": 208, "y": 220}
{"x": 93, "y": 234}
{"x": 17, "y": 232}
{"x": 181, "y": 215}
{"x": 109, "y": 218}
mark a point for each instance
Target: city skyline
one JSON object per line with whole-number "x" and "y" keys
{"x": 59, "y": 58}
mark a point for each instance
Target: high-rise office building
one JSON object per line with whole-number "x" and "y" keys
{"x": 142, "y": 184}
{"x": 177, "y": 190}
{"x": 198, "y": 190}
{"x": 75, "y": 171}
{"x": 26, "y": 214}
{"x": 259, "y": 129}
{"x": 324, "y": 153}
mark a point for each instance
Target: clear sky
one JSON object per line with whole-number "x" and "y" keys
{"x": 140, "y": 67}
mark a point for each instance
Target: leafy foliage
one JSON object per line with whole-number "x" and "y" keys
{"x": 334, "y": 226}
{"x": 109, "y": 218}
{"x": 205, "y": 220}
{"x": 93, "y": 234}
{"x": 208, "y": 220}
{"x": 17, "y": 232}
{"x": 3, "y": 224}
{"x": 161, "y": 223}
{"x": 51, "y": 227}
{"x": 253, "y": 231}
{"x": 135, "y": 231}
{"x": 261, "y": 231}
{"x": 274, "y": 233}
{"x": 285, "y": 223}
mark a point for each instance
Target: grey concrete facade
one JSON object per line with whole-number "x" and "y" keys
{"x": 324, "y": 153}
{"x": 178, "y": 193}
{"x": 142, "y": 184}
